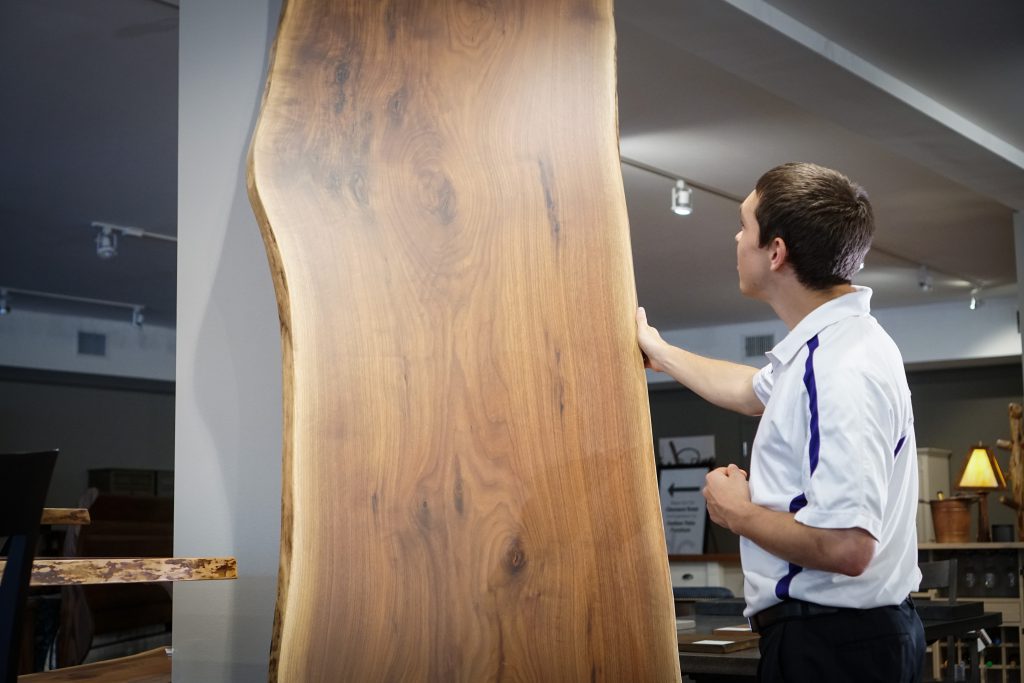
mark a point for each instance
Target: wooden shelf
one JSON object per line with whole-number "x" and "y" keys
{"x": 70, "y": 571}
{"x": 68, "y": 516}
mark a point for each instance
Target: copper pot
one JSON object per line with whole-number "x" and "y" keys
{"x": 952, "y": 519}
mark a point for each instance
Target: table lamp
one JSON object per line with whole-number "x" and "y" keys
{"x": 981, "y": 474}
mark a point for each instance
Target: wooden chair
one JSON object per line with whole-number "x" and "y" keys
{"x": 24, "y": 479}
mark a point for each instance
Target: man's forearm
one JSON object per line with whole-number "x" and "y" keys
{"x": 727, "y": 385}
{"x": 843, "y": 551}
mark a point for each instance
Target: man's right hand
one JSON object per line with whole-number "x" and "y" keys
{"x": 726, "y": 384}
{"x": 650, "y": 341}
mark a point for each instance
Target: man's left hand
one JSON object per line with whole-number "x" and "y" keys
{"x": 728, "y": 494}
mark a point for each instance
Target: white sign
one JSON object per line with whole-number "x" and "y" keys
{"x": 683, "y": 509}
{"x": 687, "y": 450}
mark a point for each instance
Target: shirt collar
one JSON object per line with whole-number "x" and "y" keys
{"x": 856, "y": 303}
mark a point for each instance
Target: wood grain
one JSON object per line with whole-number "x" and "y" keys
{"x": 469, "y": 490}
{"x": 64, "y": 572}
{"x": 152, "y": 666}
{"x": 68, "y": 516}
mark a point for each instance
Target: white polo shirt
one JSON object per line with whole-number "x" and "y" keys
{"x": 836, "y": 446}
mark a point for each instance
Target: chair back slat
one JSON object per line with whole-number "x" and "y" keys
{"x": 940, "y": 574}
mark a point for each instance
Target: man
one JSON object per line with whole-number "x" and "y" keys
{"x": 827, "y": 519}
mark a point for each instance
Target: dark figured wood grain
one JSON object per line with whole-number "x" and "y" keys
{"x": 469, "y": 484}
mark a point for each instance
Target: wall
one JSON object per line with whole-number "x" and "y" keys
{"x": 96, "y": 422}
{"x": 228, "y": 436}
{"x": 679, "y": 412}
{"x": 30, "y": 339}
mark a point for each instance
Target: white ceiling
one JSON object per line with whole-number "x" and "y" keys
{"x": 716, "y": 91}
{"x": 710, "y": 93}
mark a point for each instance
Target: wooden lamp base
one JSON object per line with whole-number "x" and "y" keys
{"x": 984, "y": 531}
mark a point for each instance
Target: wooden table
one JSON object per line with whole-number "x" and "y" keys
{"x": 741, "y": 666}
{"x": 153, "y": 666}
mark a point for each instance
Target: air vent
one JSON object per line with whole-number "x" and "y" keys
{"x": 758, "y": 345}
{"x": 92, "y": 344}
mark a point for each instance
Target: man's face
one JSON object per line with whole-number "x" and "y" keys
{"x": 752, "y": 261}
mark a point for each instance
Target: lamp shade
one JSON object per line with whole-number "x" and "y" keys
{"x": 981, "y": 471}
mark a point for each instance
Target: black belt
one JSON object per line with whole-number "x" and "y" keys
{"x": 798, "y": 609}
{"x": 789, "y": 609}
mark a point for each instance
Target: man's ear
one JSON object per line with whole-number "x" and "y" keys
{"x": 779, "y": 254}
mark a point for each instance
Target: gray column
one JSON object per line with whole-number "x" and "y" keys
{"x": 228, "y": 404}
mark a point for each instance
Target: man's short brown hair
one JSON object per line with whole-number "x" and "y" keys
{"x": 824, "y": 218}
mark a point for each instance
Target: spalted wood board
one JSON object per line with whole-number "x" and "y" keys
{"x": 85, "y": 570}
{"x": 702, "y": 642}
{"x": 469, "y": 490}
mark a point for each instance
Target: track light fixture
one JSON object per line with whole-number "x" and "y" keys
{"x": 682, "y": 190}
{"x": 682, "y": 199}
{"x": 107, "y": 234}
{"x": 106, "y": 242}
{"x": 137, "y": 317}
{"x": 976, "y": 301}
{"x": 924, "y": 279}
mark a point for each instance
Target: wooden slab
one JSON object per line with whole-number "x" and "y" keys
{"x": 152, "y": 666}
{"x": 68, "y": 571}
{"x": 469, "y": 483}
{"x": 702, "y": 642}
{"x": 69, "y": 516}
{"x": 737, "y": 630}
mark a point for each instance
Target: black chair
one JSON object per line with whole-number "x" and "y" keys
{"x": 940, "y": 574}
{"x": 943, "y": 574}
{"x": 24, "y": 479}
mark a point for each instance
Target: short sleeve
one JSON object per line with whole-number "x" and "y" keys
{"x": 763, "y": 382}
{"x": 849, "y": 451}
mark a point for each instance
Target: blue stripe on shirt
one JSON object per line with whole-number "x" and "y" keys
{"x": 812, "y": 397}
{"x": 782, "y": 587}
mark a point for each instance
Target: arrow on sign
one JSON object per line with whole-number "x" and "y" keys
{"x": 672, "y": 488}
